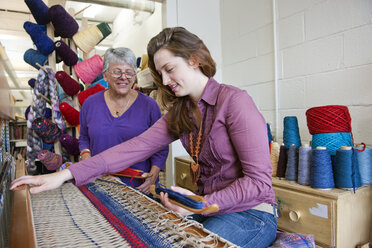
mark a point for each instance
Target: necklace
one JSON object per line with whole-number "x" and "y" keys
{"x": 194, "y": 166}
{"x": 117, "y": 113}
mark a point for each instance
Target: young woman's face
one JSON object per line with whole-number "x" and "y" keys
{"x": 177, "y": 73}
{"x": 120, "y": 78}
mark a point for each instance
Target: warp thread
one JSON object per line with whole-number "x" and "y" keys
{"x": 282, "y": 162}
{"x": 71, "y": 114}
{"x": 321, "y": 172}
{"x": 50, "y": 160}
{"x": 32, "y": 57}
{"x": 68, "y": 84}
{"x": 346, "y": 171}
{"x": 66, "y": 54}
{"x": 64, "y": 24}
{"x": 42, "y": 42}
{"x": 292, "y": 163}
{"x": 274, "y": 157}
{"x": 71, "y": 144}
{"x": 291, "y": 134}
{"x": 39, "y": 11}
{"x": 82, "y": 96}
{"x": 304, "y": 165}
{"x": 332, "y": 141}
{"x": 87, "y": 70}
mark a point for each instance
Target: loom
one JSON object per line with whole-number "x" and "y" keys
{"x": 103, "y": 213}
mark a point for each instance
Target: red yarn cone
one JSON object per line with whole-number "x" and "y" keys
{"x": 68, "y": 84}
{"x": 71, "y": 115}
{"x": 88, "y": 92}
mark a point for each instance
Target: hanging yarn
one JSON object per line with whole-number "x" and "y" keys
{"x": 292, "y": 163}
{"x": 101, "y": 82}
{"x": 82, "y": 96}
{"x": 99, "y": 77}
{"x": 87, "y": 39}
{"x": 346, "y": 171}
{"x": 50, "y": 160}
{"x": 291, "y": 134}
{"x": 48, "y": 113}
{"x": 328, "y": 119}
{"x": 321, "y": 173}
{"x": 39, "y": 11}
{"x": 32, "y": 57}
{"x": 332, "y": 141}
{"x": 65, "y": 53}
{"x": 364, "y": 159}
{"x": 304, "y": 165}
{"x": 105, "y": 30}
{"x": 46, "y": 129}
{"x": 87, "y": 70}
{"x": 31, "y": 82}
{"x": 43, "y": 43}
{"x": 71, "y": 115}
{"x": 64, "y": 24}
{"x": 282, "y": 162}
{"x": 69, "y": 85}
{"x": 71, "y": 144}
{"x": 178, "y": 197}
{"x": 274, "y": 157}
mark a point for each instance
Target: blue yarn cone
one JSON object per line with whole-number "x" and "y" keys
{"x": 43, "y": 43}
{"x": 291, "y": 134}
{"x": 39, "y": 10}
{"x": 32, "y": 57}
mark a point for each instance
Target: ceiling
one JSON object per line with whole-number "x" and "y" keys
{"x": 16, "y": 41}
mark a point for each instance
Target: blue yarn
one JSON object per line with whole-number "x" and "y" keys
{"x": 321, "y": 173}
{"x": 270, "y": 137}
{"x": 292, "y": 163}
{"x": 332, "y": 141}
{"x": 346, "y": 172}
{"x": 43, "y": 43}
{"x": 178, "y": 197}
{"x": 48, "y": 113}
{"x": 99, "y": 77}
{"x": 291, "y": 134}
{"x": 32, "y": 57}
{"x": 27, "y": 111}
{"x": 304, "y": 165}
{"x": 101, "y": 82}
{"x": 365, "y": 165}
{"x": 138, "y": 62}
{"x": 31, "y": 82}
{"x": 39, "y": 10}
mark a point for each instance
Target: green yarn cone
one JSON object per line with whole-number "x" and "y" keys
{"x": 105, "y": 30}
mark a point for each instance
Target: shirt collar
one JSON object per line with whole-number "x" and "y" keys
{"x": 211, "y": 91}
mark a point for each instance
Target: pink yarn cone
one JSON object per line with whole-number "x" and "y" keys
{"x": 87, "y": 70}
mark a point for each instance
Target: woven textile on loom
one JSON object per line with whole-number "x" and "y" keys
{"x": 112, "y": 215}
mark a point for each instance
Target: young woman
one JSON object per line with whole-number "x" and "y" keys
{"x": 221, "y": 128}
{"x": 118, "y": 114}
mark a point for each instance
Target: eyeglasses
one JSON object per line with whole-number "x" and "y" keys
{"x": 118, "y": 74}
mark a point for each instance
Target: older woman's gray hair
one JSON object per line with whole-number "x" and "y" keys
{"x": 119, "y": 55}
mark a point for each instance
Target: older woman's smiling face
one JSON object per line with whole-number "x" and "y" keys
{"x": 120, "y": 78}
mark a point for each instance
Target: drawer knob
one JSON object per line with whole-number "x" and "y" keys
{"x": 183, "y": 176}
{"x": 294, "y": 215}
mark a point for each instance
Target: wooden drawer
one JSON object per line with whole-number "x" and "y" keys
{"x": 183, "y": 177}
{"x": 307, "y": 214}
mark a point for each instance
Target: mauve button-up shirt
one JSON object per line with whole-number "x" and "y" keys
{"x": 234, "y": 156}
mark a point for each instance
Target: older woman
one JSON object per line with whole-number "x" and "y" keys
{"x": 120, "y": 113}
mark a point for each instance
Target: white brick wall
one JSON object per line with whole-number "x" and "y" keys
{"x": 324, "y": 57}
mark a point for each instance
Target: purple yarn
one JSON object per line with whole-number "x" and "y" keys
{"x": 43, "y": 43}
{"x": 64, "y": 24}
{"x": 27, "y": 111}
{"x": 39, "y": 10}
{"x": 32, "y": 57}
{"x": 31, "y": 82}
{"x": 68, "y": 56}
{"x": 71, "y": 144}
{"x": 48, "y": 113}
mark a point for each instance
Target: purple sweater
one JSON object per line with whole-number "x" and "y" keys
{"x": 234, "y": 157}
{"x": 99, "y": 130}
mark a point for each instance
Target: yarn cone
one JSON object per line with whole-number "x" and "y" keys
{"x": 64, "y": 24}
{"x": 88, "y": 38}
{"x": 68, "y": 84}
{"x": 65, "y": 53}
{"x": 71, "y": 144}
{"x": 50, "y": 160}
{"x": 46, "y": 129}
{"x": 87, "y": 70}
{"x": 71, "y": 115}
{"x": 43, "y": 43}
{"x": 82, "y": 96}
{"x": 39, "y": 11}
{"x": 33, "y": 57}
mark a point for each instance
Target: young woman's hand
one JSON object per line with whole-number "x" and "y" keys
{"x": 43, "y": 182}
{"x": 180, "y": 210}
{"x": 151, "y": 177}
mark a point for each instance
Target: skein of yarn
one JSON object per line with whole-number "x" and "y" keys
{"x": 346, "y": 171}
{"x": 68, "y": 56}
{"x": 32, "y": 57}
{"x": 274, "y": 156}
{"x": 304, "y": 164}
{"x": 282, "y": 162}
{"x": 292, "y": 163}
{"x": 87, "y": 70}
{"x": 71, "y": 144}
{"x": 39, "y": 11}
{"x": 291, "y": 133}
{"x": 321, "y": 172}
{"x": 43, "y": 43}
{"x": 64, "y": 24}
{"x": 68, "y": 84}
{"x": 51, "y": 161}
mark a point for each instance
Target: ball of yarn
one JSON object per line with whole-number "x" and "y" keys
{"x": 321, "y": 172}
{"x": 282, "y": 162}
{"x": 43, "y": 43}
{"x": 364, "y": 159}
{"x": 31, "y": 82}
{"x": 291, "y": 133}
{"x": 71, "y": 115}
{"x": 39, "y": 11}
{"x": 87, "y": 70}
{"x": 71, "y": 144}
{"x": 328, "y": 119}
{"x": 68, "y": 84}
{"x": 82, "y": 96}
{"x": 346, "y": 171}
{"x": 32, "y": 57}
{"x": 332, "y": 141}
{"x": 274, "y": 157}
{"x": 68, "y": 56}
{"x": 50, "y": 160}
{"x": 292, "y": 163}
{"x": 88, "y": 38}
{"x": 46, "y": 130}
{"x": 64, "y": 24}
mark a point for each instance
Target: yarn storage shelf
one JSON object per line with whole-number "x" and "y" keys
{"x": 336, "y": 217}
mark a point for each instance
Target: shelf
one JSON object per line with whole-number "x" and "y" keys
{"x": 19, "y": 142}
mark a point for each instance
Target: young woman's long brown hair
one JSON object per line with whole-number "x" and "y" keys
{"x": 183, "y": 44}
